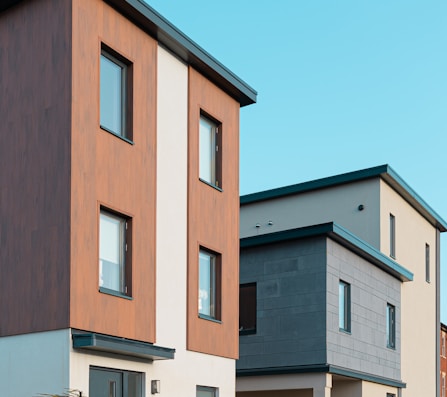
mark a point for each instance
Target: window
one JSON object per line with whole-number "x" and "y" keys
{"x": 203, "y": 391}
{"x": 209, "y": 284}
{"x": 114, "y": 253}
{"x": 391, "y": 326}
{"x": 443, "y": 386}
{"x": 115, "y": 93}
{"x": 247, "y": 309}
{"x": 443, "y": 347}
{"x": 344, "y": 306}
{"x": 210, "y": 152}
{"x": 427, "y": 263}
{"x": 115, "y": 383}
{"x": 392, "y": 236}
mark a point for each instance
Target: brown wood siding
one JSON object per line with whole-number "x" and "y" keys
{"x": 213, "y": 219}
{"x": 109, "y": 172}
{"x": 35, "y": 69}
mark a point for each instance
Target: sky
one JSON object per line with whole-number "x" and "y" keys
{"x": 342, "y": 85}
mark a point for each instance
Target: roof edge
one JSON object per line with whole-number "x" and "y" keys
{"x": 340, "y": 235}
{"x": 382, "y": 171}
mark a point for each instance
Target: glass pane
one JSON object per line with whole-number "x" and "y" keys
{"x": 206, "y": 284}
{"x": 341, "y": 306}
{"x": 207, "y": 147}
{"x": 203, "y": 393}
{"x": 111, "y": 105}
{"x": 111, "y": 252}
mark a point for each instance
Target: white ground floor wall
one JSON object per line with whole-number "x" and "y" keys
{"x": 46, "y": 363}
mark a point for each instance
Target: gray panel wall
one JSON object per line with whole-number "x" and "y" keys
{"x": 296, "y": 282}
{"x": 291, "y": 304}
{"x": 365, "y": 348}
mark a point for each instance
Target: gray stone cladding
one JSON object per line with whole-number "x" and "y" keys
{"x": 297, "y": 308}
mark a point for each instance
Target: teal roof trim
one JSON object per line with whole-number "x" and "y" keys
{"x": 382, "y": 171}
{"x": 320, "y": 368}
{"x": 128, "y": 347}
{"x": 342, "y": 236}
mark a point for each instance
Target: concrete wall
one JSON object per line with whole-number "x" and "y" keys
{"x": 365, "y": 348}
{"x": 291, "y": 304}
{"x": 336, "y": 204}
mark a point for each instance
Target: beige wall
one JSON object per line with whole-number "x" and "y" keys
{"x": 418, "y": 316}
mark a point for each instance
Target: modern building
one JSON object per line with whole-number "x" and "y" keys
{"x": 339, "y": 290}
{"x": 443, "y": 355}
{"x": 119, "y": 144}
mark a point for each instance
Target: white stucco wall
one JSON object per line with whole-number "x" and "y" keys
{"x": 34, "y": 363}
{"x": 181, "y": 375}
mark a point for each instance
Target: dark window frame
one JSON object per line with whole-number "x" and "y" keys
{"x": 427, "y": 263}
{"x": 346, "y": 309}
{"x": 139, "y": 392}
{"x": 126, "y": 96}
{"x": 215, "y": 304}
{"x": 126, "y": 279}
{"x": 392, "y": 236}
{"x": 217, "y": 155}
{"x": 213, "y": 390}
{"x": 390, "y": 326}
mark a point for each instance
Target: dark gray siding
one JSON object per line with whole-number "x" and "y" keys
{"x": 291, "y": 304}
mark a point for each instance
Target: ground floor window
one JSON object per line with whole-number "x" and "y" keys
{"x": 203, "y": 391}
{"x": 104, "y": 382}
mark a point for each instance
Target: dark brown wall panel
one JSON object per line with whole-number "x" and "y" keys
{"x": 111, "y": 172}
{"x": 213, "y": 219}
{"x": 35, "y": 70}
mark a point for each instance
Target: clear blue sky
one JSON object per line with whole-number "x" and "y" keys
{"x": 342, "y": 85}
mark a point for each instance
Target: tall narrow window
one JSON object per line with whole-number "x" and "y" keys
{"x": 112, "y": 253}
{"x": 209, "y": 284}
{"x": 427, "y": 263}
{"x": 115, "y": 94}
{"x": 392, "y": 236}
{"x": 391, "y": 326}
{"x": 247, "y": 309}
{"x": 203, "y": 391}
{"x": 344, "y": 306}
{"x": 210, "y": 152}
{"x": 443, "y": 386}
{"x": 443, "y": 345}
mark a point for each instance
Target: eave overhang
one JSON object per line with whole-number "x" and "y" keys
{"x": 382, "y": 171}
{"x": 320, "y": 368}
{"x": 127, "y": 347}
{"x": 341, "y": 236}
{"x": 170, "y": 37}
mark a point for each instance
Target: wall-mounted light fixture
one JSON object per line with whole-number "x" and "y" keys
{"x": 258, "y": 225}
{"x": 361, "y": 207}
{"x": 155, "y": 386}
{"x": 270, "y": 223}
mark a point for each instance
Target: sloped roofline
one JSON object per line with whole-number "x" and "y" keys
{"x": 340, "y": 235}
{"x": 169, "y": 36}
{"x": 382, "y": 171}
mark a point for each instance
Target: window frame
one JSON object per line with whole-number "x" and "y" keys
{"x": 214, "y": 286}
{"x": 215, "y": 155}
{"x": 214, "y": 391}
{"x": 126, "y": 90}
{"x": 392, "y": 236}
{"x": 344, "y": 306}
{"x": 443, "y": 345}
{"x": 390, "y": 326}
{"x": 125, "y": 254}
{"x": 427, "y": 263}
{"x": 247, "y": 308}
{"x": 124, "y": 377}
